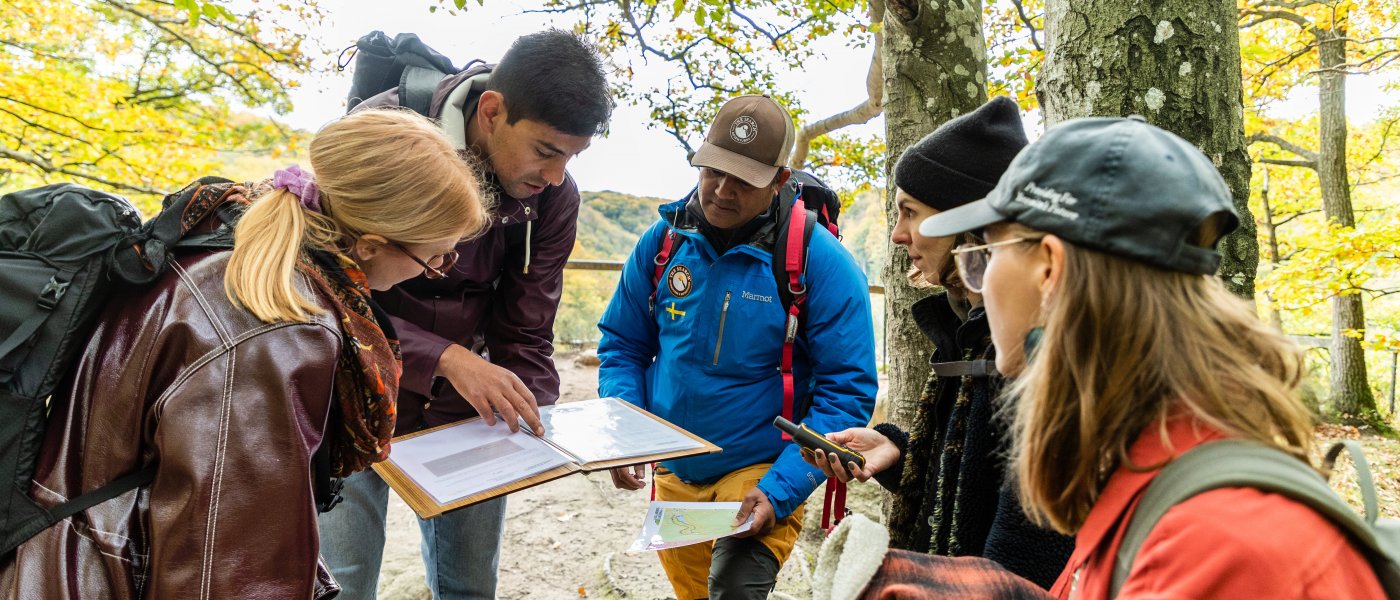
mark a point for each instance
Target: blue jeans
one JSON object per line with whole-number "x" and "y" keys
{"x": 461, "y": 549}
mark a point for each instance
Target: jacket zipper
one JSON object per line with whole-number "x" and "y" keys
{"x": 722, "y": 315}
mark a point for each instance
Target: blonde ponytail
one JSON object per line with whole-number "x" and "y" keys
{"x": 261, "y": 271}
{"x": 388, "y": 172}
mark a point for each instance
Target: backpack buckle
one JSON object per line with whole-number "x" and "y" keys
{"x": 333, "y": 496}
{"x": 791, "y": 328}
{"x": 53, "y": 291}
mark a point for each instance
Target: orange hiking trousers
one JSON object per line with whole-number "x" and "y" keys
{"x": 688, "y": 567}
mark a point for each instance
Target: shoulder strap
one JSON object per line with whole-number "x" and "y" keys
{"x": 669, "y": 243}
{"x": 789, "y": 266}
{"x": 1243, "y": 464}
{"x": 966, "y": 368}
{"x": 416, "y": 88}
{"x": 111, "y": 489}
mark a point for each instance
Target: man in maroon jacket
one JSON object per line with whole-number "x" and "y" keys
{"x": 479, "y": 340}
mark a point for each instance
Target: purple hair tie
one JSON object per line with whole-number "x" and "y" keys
{"x": 299, "y": 182}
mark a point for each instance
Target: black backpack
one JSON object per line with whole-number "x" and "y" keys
{"x": 63, "y": 249}
{"x": 405, "y": 62}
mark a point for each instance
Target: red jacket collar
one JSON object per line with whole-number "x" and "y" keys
{"x": 1101, "y": 531}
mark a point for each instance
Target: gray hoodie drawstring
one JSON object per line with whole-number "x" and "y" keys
{"x": 529, "y": 231}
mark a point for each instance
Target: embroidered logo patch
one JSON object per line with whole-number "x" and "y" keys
{"x": 744, "y": 129}
{"x": 680, "y": 282}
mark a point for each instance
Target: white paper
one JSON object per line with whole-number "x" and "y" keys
{"x": 608, "y": 429}
{"x": 676, "y": 524}
{"x": 472, "y": 457}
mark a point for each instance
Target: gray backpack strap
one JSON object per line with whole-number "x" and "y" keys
{"x": 1245, "y": 464}
{"x": 416, "y": 88}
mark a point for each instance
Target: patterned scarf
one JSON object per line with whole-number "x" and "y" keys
{"x": 367, "y": 380}
{"x": 370, "y": 363}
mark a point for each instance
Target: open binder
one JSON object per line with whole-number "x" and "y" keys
{"x": 455, "y": 465}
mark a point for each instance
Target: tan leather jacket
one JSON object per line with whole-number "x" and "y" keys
{"x": 231, "y": 410}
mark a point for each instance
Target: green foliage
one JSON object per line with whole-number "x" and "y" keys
{"x": 1318, "y": 260}
{"x": 1014, "y": 31}
{"x": 848, "y": 163}
{"x": 723, "y": 48}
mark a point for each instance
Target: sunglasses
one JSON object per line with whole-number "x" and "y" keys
{"x": 972, "y": 260}
{"x": 444, "y": 261}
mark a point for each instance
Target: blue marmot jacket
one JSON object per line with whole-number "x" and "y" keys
{"x": 707, "y": 356}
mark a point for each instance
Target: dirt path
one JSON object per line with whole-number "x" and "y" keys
{"x": 565, "y": 539}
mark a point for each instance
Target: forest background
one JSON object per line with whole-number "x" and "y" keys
{"x": 142, "y": 96}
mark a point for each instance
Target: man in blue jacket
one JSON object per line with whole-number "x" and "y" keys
{"x": 702, "y": 349}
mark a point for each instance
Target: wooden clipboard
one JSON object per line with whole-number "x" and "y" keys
{"x": 427, "y": 507}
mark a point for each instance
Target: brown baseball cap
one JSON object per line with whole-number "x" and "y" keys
{"x": 750, "y": 139}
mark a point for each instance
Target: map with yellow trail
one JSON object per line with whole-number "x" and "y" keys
{"x": 674, "y": 524}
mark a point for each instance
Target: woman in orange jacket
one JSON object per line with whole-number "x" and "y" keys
{"x": 1097, "y": 274}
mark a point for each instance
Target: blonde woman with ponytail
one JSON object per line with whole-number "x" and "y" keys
{"x": 230, "y": 372}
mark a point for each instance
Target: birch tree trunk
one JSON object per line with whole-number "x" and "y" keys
{"x": 1177, "y": 63}
{"x": 935, "y": 68}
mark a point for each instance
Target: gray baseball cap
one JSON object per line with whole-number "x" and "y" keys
{"x": 1119, "y": 186}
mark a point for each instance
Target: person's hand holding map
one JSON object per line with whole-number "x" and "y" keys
{"x": 675, "y": 524}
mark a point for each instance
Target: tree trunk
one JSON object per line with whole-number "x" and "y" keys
{"x": 1176, "y": 62}
{"x": 1271, "y": 230}
{"x": 935, "y": 67}
{"x": 1351, "y": 397}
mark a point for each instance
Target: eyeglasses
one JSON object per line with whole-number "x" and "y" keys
{"x": 444, "y": 261}
{"x": 972, "y": 260}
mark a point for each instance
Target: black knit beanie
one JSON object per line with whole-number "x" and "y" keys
{"x": 962, "y": 160}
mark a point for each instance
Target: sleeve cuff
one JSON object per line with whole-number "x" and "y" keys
{"x": 420, "y": 368}
{"x": 889, "y": 478}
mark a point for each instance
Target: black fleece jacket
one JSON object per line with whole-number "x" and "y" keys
{"x": 953, "y": 495}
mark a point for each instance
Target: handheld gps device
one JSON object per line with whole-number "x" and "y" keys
{"x": 811, "y": 440}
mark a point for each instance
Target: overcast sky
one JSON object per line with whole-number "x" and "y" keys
{"x": 633, "y": 158}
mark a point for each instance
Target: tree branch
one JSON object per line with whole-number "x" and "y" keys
{"x": 1286, "y": 162}
{"x": 1295, "y": 216}
{"x": 49, "y": 167}
{"x": 66, "y": 116}
{"x": 1297, "y": 4}
{"x": 862, "y": 113}
{"x": 1283, "y": 144}
{"x": 1025, "y": 19}
{"x": 1358, "y": 68}
{"x": 1264, "y": 16}
{"x": 773, "y": 38}
{"x": 194, "y": 49}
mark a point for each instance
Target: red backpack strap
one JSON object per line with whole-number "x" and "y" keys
{"x": 663, "y": 257}
{"x": 833, "y": 504}
{"x": 830, "y": 224}
{"x": 795, "y": 262}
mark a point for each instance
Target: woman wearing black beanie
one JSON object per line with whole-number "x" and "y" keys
{"x": 948, "y": 475}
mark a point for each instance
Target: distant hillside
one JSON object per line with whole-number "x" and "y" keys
{"x": 609, "y": 224}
